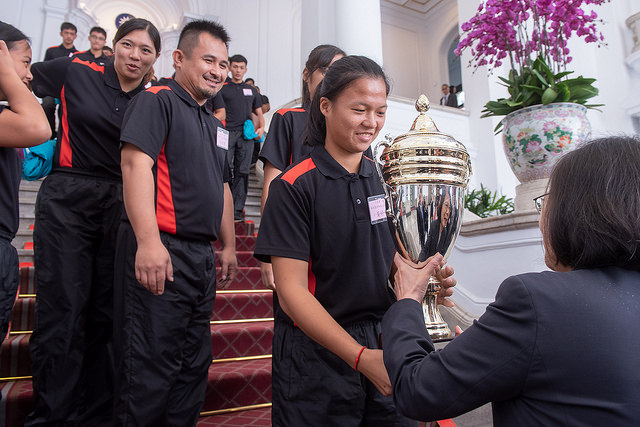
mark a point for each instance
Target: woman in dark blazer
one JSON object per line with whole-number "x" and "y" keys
{"x": 560, "y": 347}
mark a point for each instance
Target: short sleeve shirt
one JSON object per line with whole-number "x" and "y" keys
{"x": 93, "y": 105}
{"x": 283, "y": 145}
{"x": 215, "y": 103}
{"x": 320, "y": 213}
{"x": 168, "y": 125}
{"x": 240, "y": 100}
{"x": 59, "y": 52}
{"x": 10, "y": 169}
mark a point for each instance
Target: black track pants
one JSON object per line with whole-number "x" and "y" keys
{"x": 163, "y": 342}
{"x": 74, "y": 243}
{"x": 311, "y": 386}
{"x": 8, "y": 283}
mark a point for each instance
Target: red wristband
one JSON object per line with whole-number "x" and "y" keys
{"x": 358, "y": 357}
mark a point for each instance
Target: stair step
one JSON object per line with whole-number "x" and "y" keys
{"x": 247, "y": 278}
{"x": 231, "y": 385}
{"x": 243, "y": 243}
{"x": 228, "y": 341}
{"x": 245, "y": 259}
{"x": 33, "y": 186}
{"x": 260, "y": 417}
{"x": 238, "y": 384}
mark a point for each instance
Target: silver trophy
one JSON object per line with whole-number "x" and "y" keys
{"x": 425, "y": 175}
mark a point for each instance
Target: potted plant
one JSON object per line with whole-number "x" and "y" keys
{"x": 546, "y": 108}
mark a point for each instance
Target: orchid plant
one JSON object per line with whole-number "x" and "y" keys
{"x": 532, "y": 35}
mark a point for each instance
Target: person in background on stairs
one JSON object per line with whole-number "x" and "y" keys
{"x": 332, "y": 256}
{"x": 178, "y": 201}
{"x": 283, "y": 145}
{"x": 23, "y": 124}
{"x": 78, "y": 209}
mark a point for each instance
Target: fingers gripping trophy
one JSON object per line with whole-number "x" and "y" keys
{"x": 425, "y": 175}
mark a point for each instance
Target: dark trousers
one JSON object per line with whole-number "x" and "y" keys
{"x": 71, "y": 354}
{"x": 163, "y": 342}
{"x": 8, "y": 284}
{"x": 311, "y": 386}
{"x": 239, "y": 159}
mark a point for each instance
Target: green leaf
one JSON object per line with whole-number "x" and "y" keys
{"x": 549, "y": 96}
{"x": 563, "y": 93}
{"x": 535, "y": 89}
{"x": 562, "y": 74}
{"x": 540, "y": 78}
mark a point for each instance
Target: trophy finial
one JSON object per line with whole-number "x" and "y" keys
{"x": 422, "y": 104}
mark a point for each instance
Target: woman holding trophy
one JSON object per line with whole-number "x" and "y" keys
{"x": 554, "y": 348}
{"x": 324, "y": 230}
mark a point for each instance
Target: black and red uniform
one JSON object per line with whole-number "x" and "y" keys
{"x": 283, "y": 145}
{"x": 318, "y": 212}
{"x": 78, "y": 209}
{"x": 86, "y": 55}
{"x": 49, "y": 102}
{"x": 163, "y": 342}
{"x": 10, "y": 169}
{"x": 240, "y": 100}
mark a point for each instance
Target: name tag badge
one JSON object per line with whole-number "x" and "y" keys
{"x": 222, "y": 138}
{"x": 377, "y": 209}
{"x": 247, "y": 92}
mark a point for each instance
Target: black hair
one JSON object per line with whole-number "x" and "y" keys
{"x": 107, "y": 48}
{"x": 139, "y": 24}
{"x": 592, "y": 213}
{"x": 68, "y": 26}
{"x": 191, "y": 32}
{"x": 97, "y": 29}
{"x": 238, "y": 58}
{"x": 249, "y": 78}
{"x": 11, "y": 35}
{"x": 339, "y": 76}
{"x": 319, "y": 58}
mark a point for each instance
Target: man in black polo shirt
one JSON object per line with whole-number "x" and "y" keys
{"x": 68, "y": 32}
{"x": 240, "y": 100}
{"x": 177, "y": 201}
{"x": 97, "y": 40}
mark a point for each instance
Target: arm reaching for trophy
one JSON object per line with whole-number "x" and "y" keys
{"x": 411, "y": 282}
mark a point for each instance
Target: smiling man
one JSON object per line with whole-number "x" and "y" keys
{"x": 177, "y": 201}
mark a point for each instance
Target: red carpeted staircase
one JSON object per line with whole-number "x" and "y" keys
{"x": 239, "y": 389}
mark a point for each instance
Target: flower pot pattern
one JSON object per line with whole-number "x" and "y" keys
{"x": 535, "y": 137}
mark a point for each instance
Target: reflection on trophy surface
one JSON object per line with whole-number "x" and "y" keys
{"x": 425, "y": 174}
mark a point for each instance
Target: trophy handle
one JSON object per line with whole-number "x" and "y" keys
{"x": 377, "y": 153}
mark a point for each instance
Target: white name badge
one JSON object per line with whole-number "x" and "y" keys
{"x": 247, "y": 92}
{"x": 377, "y": 210}
{"x": 222, "y": 139}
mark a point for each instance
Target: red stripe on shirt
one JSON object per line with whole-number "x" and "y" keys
{"x": 92, "y": 65}
{"x": 311, "y": 280}
{"x": 282, "y": 111}
{"x": 156, "y": 89}
{"x": 301, "y": 168}
{"x": 165, "y": 211}
{"x": 66, "y": 153}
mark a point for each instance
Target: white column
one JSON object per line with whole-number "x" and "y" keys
{"x": 353, "y": 25}
{"x": 359, "y": 28}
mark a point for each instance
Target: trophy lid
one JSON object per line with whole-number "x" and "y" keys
{"x": 424, "y": 155}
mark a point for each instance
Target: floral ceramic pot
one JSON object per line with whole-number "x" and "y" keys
{"x": 535, "y": 137}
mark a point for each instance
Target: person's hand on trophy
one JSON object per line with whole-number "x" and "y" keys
{"x": 411, "y": 282}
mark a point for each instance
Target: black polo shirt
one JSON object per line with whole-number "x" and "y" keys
{"x": 319, "y": 213}
{"x": 283, "y": 145}
{"x": 93, "y": 105}
{"x": 10, "y": 169}
{"x": 59, "y": 52}
{"x": 215, "y": 103}
{"x": 189, "y": 171}
{"x": 86, "y": 55}
{"x": 240, "y": 100}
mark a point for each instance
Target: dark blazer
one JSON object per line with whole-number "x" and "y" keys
{"x": 554, "y": 349}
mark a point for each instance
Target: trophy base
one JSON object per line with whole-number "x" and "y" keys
{"x": 435, "y": 324}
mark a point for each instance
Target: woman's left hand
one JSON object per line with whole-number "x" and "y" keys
{"x": 411, "y": 282}
{"x": 447, "y": 282}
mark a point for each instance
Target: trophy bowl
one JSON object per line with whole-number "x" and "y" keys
{"x": 425, "y": 174}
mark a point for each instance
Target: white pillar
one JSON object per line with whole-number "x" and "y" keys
{"x": 359, "y": 28}
{"x": 354, "y": 26}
